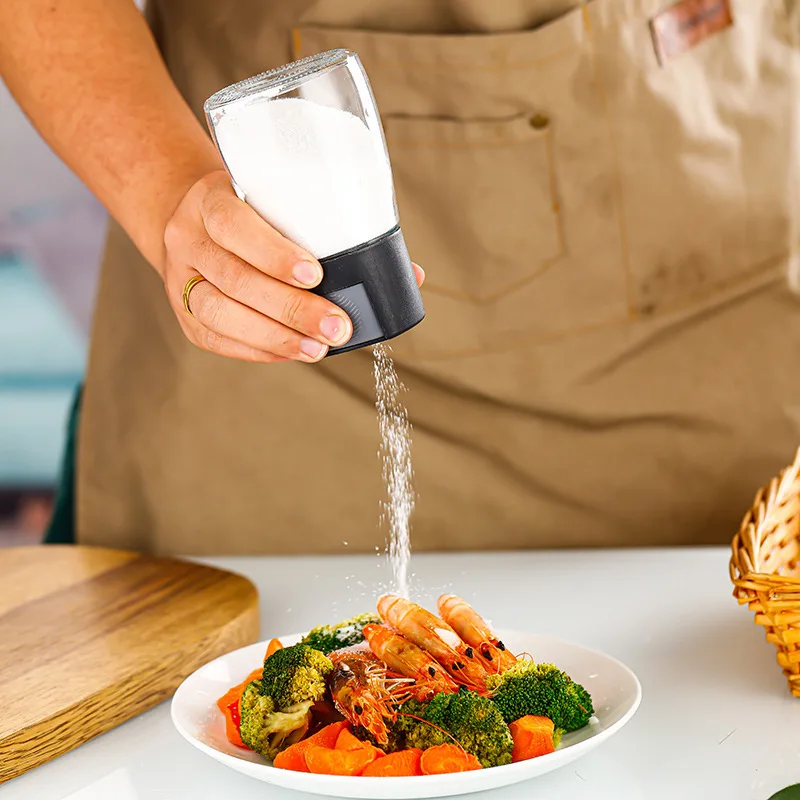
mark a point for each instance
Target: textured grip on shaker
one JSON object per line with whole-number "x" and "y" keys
{"x": 388, "y": 292}
{"x": 355, "y": 303}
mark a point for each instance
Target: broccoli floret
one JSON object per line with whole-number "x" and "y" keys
{"x": 473, "y": 721}
{"x": 327, "y": 638}
{"x": 276, "y": 710}
{"x": 395, "y": 741}
{"x": 542, "y": 690}
{"x": 295, "y": 674}
{"x": 266, "y": 730}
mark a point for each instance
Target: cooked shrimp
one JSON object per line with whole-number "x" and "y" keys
{"x": 364, "y": 694}
{"x": 405, "y": 658}
{"x": 436, "y": 637}
{"x": 475, "y": 631}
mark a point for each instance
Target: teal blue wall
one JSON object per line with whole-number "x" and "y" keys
{"x": 42, "y": 359}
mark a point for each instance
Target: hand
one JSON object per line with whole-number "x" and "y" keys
{"x": 254, "y": 303}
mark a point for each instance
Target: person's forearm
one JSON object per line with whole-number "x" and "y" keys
{"x": 90, "y": 78}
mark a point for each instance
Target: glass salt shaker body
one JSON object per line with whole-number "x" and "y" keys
{"x": 304, "y": 146}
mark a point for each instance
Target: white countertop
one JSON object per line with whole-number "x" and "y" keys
{"x": 716, "y": 721}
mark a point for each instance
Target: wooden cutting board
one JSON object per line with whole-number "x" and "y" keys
{"x": 91, "y": 637}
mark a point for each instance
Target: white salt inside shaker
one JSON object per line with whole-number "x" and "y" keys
{"x": 314, "y": 172}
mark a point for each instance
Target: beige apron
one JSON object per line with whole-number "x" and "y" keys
{"x": 611, "y": 354}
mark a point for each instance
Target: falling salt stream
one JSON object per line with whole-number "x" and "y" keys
{"x": 395, "y": 453}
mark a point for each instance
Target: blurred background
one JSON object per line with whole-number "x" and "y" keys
{"x": 51, "y": 239}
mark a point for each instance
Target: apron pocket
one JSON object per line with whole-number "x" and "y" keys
{"x": 477, "y": 201}
{"x": 704, "y": 142}
{"x": 502, "y": 180}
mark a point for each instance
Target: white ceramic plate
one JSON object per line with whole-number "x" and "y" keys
{"x": 615, "y": 691}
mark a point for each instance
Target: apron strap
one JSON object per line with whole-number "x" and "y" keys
{"x": 62, "y": 524}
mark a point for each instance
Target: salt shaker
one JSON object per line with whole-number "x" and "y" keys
{"x": 304, "y": 147}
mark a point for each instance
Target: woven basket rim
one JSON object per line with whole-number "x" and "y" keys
{"x": 767, "y": 498}
{"x": 771, "y": 528}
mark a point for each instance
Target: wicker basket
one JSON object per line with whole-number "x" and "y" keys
{"x": 765, "y": 567}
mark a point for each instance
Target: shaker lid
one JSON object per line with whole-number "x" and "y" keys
{"x": 278, "y": 81}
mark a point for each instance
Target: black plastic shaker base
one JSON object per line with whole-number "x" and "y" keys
{"x": 376, "y": 285}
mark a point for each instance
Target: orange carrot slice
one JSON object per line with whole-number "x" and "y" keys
{"x": 347, "y": 741}
{"x": 402, "y": 764}
{"x": 294, "y": 756}
{"x": 327, "y": 761}
{"x": 447, "y": 758}
{"x": 328, "y": 736}
{"x": 533, "y": 737}
{"x": 272, "y": 648}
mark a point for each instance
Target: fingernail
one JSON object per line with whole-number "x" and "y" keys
{"x": 312, "y": 348}
{"x": 306, "y": 273}
{"x": 334, "y": 328}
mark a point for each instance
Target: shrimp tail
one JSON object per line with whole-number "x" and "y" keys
{"x": 475, "y": 632}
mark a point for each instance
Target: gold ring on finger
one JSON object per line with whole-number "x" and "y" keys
{"x": 187, "y": 290}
